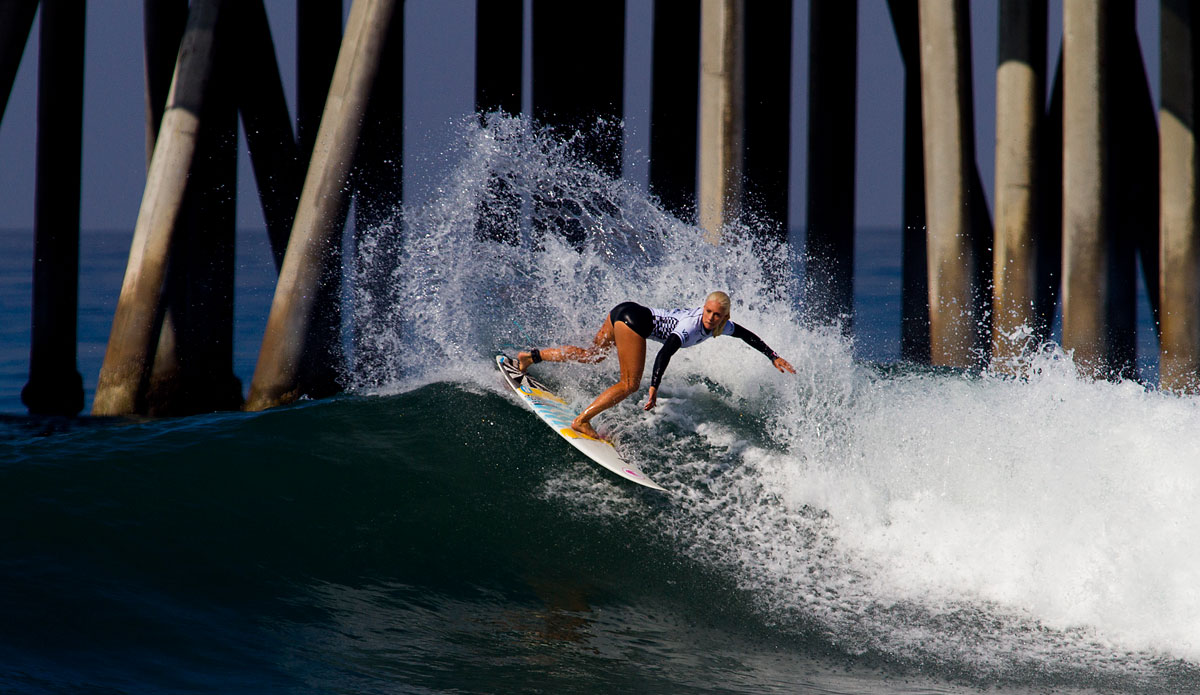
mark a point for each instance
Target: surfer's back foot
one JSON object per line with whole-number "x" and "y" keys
{"x": 585, "y": 428}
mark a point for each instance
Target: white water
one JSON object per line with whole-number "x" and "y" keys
{"x": 1034, "y": 529}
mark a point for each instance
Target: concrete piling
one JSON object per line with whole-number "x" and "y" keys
{"x": 192, "y": 370}
{"x": 499, "y": 25}
{"x": 833, "y": 48}
{"x": 137, "y": 319}
{"x": 947, "y": 114}
{"x": 674, "y": 98}
{"x": 575, "y": 85}
{"x": 1020, "y": 90}
{"x": 318, "y": 37}
{"x": 163, "y": 22}
{"x": 270, "y": 141}
{"x": 289, "y": 360}
{"x": 767, "y": 50}
{"x": 914, "y": 276}
{"x": 722, "y": 115}
{"x": 1087, "y": 233}
{"x": 499, "y": 49}
{"x": 55, "y": 386}
{"x": 1179, "y": 355}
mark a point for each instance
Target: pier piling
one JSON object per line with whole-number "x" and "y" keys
{"x": 914, "y": 276}
{"x": 951, "y": 206}
{"x": 192, "y": 370}
{"x": 318, "y": 38}
{"x": 499, "y": 25}
{"x": 674, "y": 98}
{"x": 55, "y": 385}
{"x": 722, "y": 115}
{"x": 290, "y": 360}
{"x": 767, "y": 48}
{"x": 1020, "y": 90}
{"x": 1179, "y": 365}
{"x": 1088, "y": 238}
{"x": 137, "y": 320}
{"x": 574, "y": 84}
{"x": 499, "y": 56}
{"x": 270, "y": 141}
{"x": 833, "y": 49}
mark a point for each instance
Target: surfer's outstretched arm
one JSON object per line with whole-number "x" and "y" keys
{"x": 747, "y": 336}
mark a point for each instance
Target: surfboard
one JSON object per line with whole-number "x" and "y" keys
{"x": 556, "y": 412}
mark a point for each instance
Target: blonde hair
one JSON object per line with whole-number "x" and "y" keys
{"x": 723, "y": 299}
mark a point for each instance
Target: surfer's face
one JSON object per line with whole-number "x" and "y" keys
{"x": 713, "y": 314}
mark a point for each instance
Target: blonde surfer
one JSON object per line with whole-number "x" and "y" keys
{"x": 628, "y": 326}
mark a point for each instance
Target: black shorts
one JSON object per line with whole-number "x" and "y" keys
{"x": 636, "y": 316}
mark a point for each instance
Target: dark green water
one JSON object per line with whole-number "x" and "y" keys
{"x": 411, "y": 543}
{"x": 398, "y": 544}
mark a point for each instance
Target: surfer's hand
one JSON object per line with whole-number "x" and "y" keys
{"x": 782, "y": 365}
{"x": 651, "y": 398}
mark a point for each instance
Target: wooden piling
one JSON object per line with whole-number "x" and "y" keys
{"x": 1020, "y": 90}
{"x": 285, "y": 359}
{"x": 1179, "y": 356}
{"x": 1087, "y": 236}
{"x": 55, "y": 386}
{"x": 722, "y": 115}
{"x": 576, "y": 83}
{"x": 16, "y": 20}
{"x": 137, "y": 319}
{"x": 947, "y": 114}
{"x": 832, "y": 67}
{"x": 674, "y": 96}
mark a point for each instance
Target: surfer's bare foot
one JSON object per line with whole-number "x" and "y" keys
{"x": 585, "y": 428}
{"x": 524, "y": 359}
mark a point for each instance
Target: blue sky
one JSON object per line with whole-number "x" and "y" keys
{"x": 438, "y": 90}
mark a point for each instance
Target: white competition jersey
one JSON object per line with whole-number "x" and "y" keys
{"x": 684, "y": 323}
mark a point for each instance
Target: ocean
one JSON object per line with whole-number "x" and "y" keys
{"x": 864, "y": 526}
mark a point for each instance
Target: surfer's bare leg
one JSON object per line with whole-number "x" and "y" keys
{"x": 601, "y": 345}
{"x": 631, "y": 351}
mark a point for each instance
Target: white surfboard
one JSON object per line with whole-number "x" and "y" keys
{"x": 554, "y": 411}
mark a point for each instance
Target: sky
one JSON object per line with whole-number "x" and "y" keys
{"x": 439, "y": 92}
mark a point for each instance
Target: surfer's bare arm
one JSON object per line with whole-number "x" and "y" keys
{"x": 747, "y": 336}
{"x": 672, "y": 344}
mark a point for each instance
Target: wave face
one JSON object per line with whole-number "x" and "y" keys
{"x": 998, "y": 526}
{"x": 851, "y": 528}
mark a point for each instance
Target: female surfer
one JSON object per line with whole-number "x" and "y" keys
{"x": 628, "y": 326}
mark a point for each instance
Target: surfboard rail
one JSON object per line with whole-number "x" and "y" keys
{"x": 556, "y": 413}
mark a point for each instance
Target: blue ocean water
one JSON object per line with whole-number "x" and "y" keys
{"x": 860, "y": 527}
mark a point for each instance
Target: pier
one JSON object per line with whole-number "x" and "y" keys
{"x": 1094, "y": 184}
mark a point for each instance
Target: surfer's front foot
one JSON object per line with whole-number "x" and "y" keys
{"x": 524, "y": 359}
{"x": 585, "y": 428}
